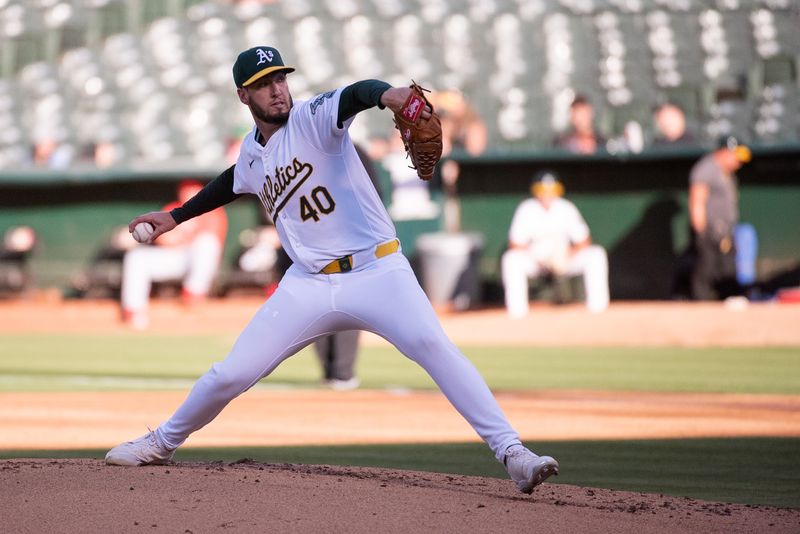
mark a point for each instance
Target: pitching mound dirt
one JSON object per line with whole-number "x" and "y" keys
{"x": 245, "y": 496}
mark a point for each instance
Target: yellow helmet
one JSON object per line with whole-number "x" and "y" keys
{"x": 743, "y": 153}
{"x": 546, "y": 182}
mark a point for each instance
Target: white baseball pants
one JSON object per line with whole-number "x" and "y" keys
{"x": 518, "y": 266}
{"x": 382, "y": 297}
{"x": 196, "y": 264}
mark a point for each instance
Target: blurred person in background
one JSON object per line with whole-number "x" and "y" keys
{"x": 670, "y": 128}
{"x": 713, "y": 215}
{"x": 462, "y": 127}
{"x": 234, "y": 144}
{"x": 16, "y": 249}
{"x": 52, "y": 153}
{"x": 463, "y": 130}
{"x": 548, "y": 236}
{"x": 337, "y": 355}
{"x": 106, "y": 154}
{"x": 410, "y": 197}
{"x": 581, "y": 138}
{"x": 191, "y": 253}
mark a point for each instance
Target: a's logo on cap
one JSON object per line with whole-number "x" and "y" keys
{"x": 263, "y": 56}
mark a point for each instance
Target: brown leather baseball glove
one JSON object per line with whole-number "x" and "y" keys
{"x": 421, "y": 137}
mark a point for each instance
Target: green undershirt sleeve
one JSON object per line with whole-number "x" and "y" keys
{"x": 360, "y": 96}
{"x": 216, "y": 193}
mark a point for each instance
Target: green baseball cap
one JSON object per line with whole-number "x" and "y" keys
{"x": 256, "y": 63}
{"x": 742, "y": 151}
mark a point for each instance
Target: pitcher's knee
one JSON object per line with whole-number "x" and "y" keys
{"x": 427, "y": 344}
{"x": 228, "y": 382}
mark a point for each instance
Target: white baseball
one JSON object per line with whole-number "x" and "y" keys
{"x": 142, "y": 231}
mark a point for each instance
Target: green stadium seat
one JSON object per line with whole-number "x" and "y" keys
{"x": 729, "y": 65}
{"x": 691, "y": 99}
{"x": 779, "y": 69}
{"x": 153, "y": 10}
{"x": 115, "y": 16}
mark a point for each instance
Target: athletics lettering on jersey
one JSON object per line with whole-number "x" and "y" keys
{"x": 275, "y": 191}
{"x": 319, "y": 100}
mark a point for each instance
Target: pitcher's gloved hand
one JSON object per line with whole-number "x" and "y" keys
{"x": 422, "y": 137}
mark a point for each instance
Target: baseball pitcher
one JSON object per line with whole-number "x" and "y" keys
{"x": 301, "y": 163}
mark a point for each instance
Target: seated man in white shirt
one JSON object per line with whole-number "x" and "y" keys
{"x": 549, "y": 235}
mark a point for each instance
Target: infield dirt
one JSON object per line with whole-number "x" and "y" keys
{"x": 86, "y": 496}
{"x": 634, "y": 324}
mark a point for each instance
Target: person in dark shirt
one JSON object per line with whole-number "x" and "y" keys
{"x": 670, "y": 125}
{"x": 581, "y": 138}
{"x": 713, "y": 215}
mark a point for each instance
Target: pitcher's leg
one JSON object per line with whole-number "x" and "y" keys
{"x": 412, "y": 326}
{"x": 283, "y": 325}
{"x": 461, "y": 383}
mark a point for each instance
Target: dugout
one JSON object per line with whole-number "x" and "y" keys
{"x": 635, "y": 205}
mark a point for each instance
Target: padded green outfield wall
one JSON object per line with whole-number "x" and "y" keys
{"x": 635, "y": 207}
{"x": 75, "y": 216}
{"x": 646, "y": 233}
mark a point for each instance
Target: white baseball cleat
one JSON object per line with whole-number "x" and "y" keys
{"x": 146, "y": 450}
{"x": 527, "y": 469}
{"x": 338, "y": 384}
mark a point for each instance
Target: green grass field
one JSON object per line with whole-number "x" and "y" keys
{"x": 754, "y": 471}
{"x": 133, "y": 362}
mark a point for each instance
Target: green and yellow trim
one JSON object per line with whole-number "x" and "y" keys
{"x": 260, "y": 74}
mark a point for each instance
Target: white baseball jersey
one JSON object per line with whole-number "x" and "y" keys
{"x": 320, "y": 216}
{"x": 547, "y": 232}
{"x": 313, "y": 185}
{"x": 548, "y": 235}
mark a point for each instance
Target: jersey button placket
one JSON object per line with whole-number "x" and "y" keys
{"x": 335, "y": 281}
